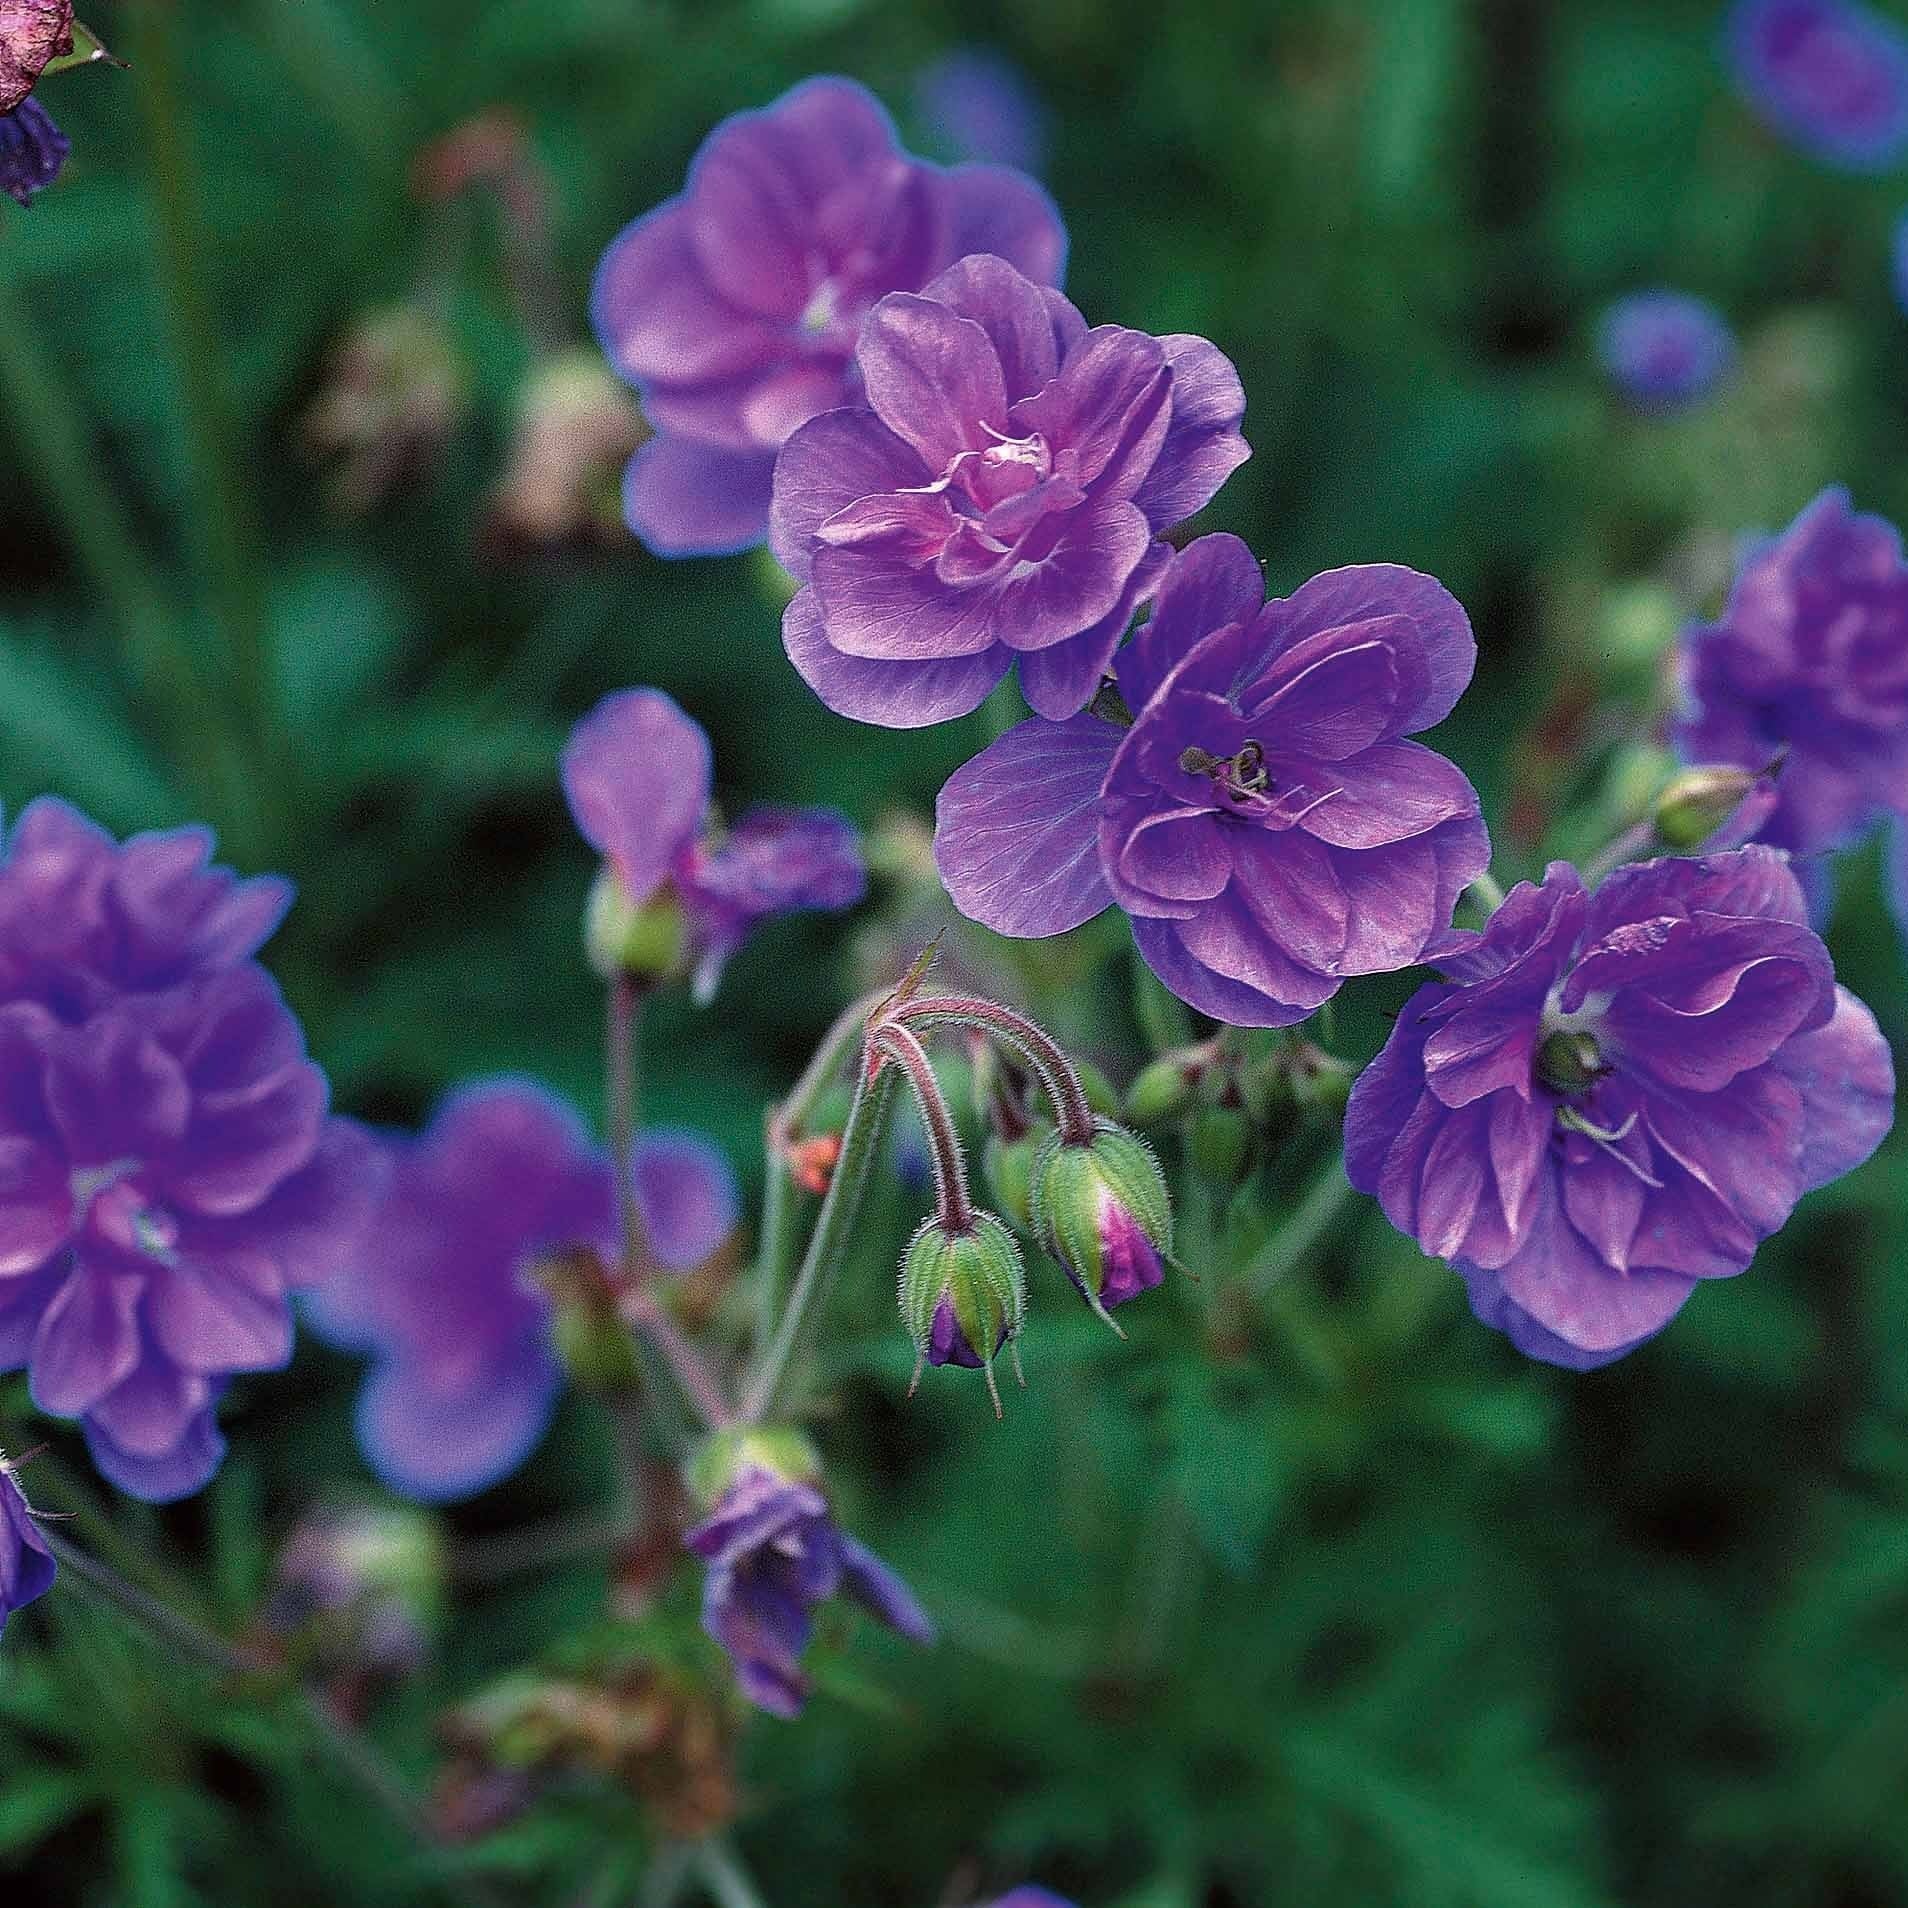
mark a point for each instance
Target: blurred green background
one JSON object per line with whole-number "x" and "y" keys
{"x": 1313, "y": 1592}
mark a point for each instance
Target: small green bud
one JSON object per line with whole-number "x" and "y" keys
{"x": 1219, "y": 1144}
{"x": 1161, "y": 1091}
{"x": 720, "y": 1459}
{"x": 1698, "y": 802}
{"x": 1008, "y": 1165}
{"x": 646, "y": 942}
{"x": 1102, "y": 1212}
{"x": 963, "y": 1294}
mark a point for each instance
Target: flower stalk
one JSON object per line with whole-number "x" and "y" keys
{"x": 1059, "y": 1078}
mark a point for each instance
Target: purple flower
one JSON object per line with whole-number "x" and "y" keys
{"x": 1618, "y": 1094}
{"x": 1001, "y": 494}
{"x": 733, "y": 308}
{"x": 463, "y": 1377}
{"x": 637, "y": 771}
{"x": 980, "y": 105}
{"x": 1664, "y": 349}
{"x": 26, "y": 1565}
{"x": 32, "y": 151}
{"x": 172, "y": 1170}
{"x": 1262, "y": 821}
{"x": 774, "y": 1553}
{"x": 1809, "y": 664}
{"x": 1032, "y": 1897}
{"x": 1828, "y": 74}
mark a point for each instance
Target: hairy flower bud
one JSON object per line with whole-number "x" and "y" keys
{"x": 1161, "y": 1091}
{"x": 1101, "y": 1209}
{"x": 963, "y": 1294}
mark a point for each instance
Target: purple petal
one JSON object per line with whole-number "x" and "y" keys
{"x": 932, "y": 377}
{"x": 871, "y": 1583}
{"x": 1213, "y": 582}
{"x": 684, "y": 499}
{"x": 88, "y": 1340}
{"x": 686, "y": 1195}
{"x": 1060, "y": 680}
{"x": 895, "y": 695}
{"x": 833, "y": 461}
{"x": 1004, "y": 212}
{"x": 1202, "y": 447}
{"x": 1290, "y": 889}
{"x": 636, "y": 772}
{"x": 1388, "y": 792}
{"x": 1846, "y": 1078}
{"x": 221, "y": 1314}
{"x": 1385, "y": 1095}
{"x": 1011, "y": 309}
{"x": 437, "y": 1448}
{"x": 164, "y": 1477}
{"x": 1222, "y": 963}
{"x": 1399, "y": 898}
{"x": 1016, "y": 834}
{"x": 1109, "y": 399}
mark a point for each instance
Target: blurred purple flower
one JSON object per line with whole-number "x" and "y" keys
{"x": 1262, "y": 821}
{"x": 32, "y": 151}
{"x": 1032, "y": 1897}
{"x": 26, "y": 1565}
{"x": 171, "y": 1166}
{"x": 979, "y": 105}
{"x": 1664, "y": 349}
{"x": 774, "y": 1553}
{"x": 1809, "y": 664}
{"x": 1617, "y": 1095}
{"x": 463, "y": 1378}
{"x": 1001, "y": 495}
{"x": 637, "y": 770}
{"x": 1830, "y": 75}
{"x": 733, "y": 308}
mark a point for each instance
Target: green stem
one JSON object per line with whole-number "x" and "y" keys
{"x": 223, "y": 517}
{"x": 1072, "y": 1111}
{"x": 621, "y": 1026}
{"x": 727, "y": 1879}
{"x": 1302, "y": 1230}
{"x": 1486, "y": 893}
{"x": 347, "y": 81}
{"x": 694, "y": 1376}
{"x": 766, "y": 1391}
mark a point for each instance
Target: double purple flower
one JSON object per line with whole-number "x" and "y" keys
{"x": 637, "y": 774}
{"x": 1809, "y": 665}
{"x": 463, "y": 1377}
{"x": 1000, "y": 495}
{"x": 1617, "y": 1095}
{"x": 171, "y": 1171}
{"x": 1263, "y": 820}
{"x": 733, "y": 308}
{"x": 774, "y": 1553}
{"x": 1830, "y": 75}
{"x": 26, "y": 1565}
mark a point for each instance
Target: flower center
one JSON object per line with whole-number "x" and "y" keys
{"x": 1570, "y": 1062}
{"x": 109, "y": 1200}
{"x": 1242, "y": 778}
{"x": 822, "y": 311}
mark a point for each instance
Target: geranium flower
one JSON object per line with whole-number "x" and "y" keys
{"x": 1828, "y": 74}
{"x": 26, "y": 1565}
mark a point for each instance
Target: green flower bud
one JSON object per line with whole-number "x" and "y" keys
{"x": 647, "y": 943}
{"x": 1161, "y": 1091}
{"x": 1219, "y": 1144}
{"x": 720, "y": 1459}
{"x": 1699, "y": 801}
{"x": 1102, "y": 1212}
{"x": 963, "y": 1294}
{"x": 1099, "y": 1090}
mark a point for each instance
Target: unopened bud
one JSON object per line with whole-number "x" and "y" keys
{"x": 1700, "y": 802}
{"x": 1102, "y": 1211}
{"x": 963, "y": 1294}
{"x": 1161, "y": 1091}
{"x": 577, "y": 426}
{"x": 646, "y": 942}
{"x": 1099, "y": 1089}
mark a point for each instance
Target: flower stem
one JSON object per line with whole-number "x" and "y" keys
{"x": 1303, "y": 1228}
{"x": 624, "y": 1012}
{"x": 1072, "y": 1110}
{"x": 223, "y": 517}
{"x": 1486, "y": 894}
{"x": 766, "y": 1391}
{"x": 726, "y": 1877}
{"x": 692, "y": 1372}
{"x": 952, "y": 1204}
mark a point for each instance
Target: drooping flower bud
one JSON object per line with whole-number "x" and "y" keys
{"x": 963, "y": 1294}
{"x": 1163, "y": 1089}
{"x": 1101, "y": 1209}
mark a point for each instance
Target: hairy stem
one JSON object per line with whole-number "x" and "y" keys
{"x": 1072, "y": 1111}
{"x": 952, "y": 1205}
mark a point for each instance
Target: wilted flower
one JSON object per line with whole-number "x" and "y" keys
{"x": 1619, "y": 1094}
{"x": 733, "y": 308}
{"x": 1829, "y": 74}
{"x": 1809, "y": 663}
{"x": 1263, "y": 821}
{"x": 1101, "y": 1211}
{"x": 677, "y": 892}
{"x": 26, "y": 1565}
{"x": 32, "y": 151}
{"x": 981, "y": 106}
{"x": 174, "y": 1172}
{"x": 774, "y": 1553}
{"x": 1664, "y": 349}
{"x": 463, "y": 1376}
{"x": 999, "y": 495}
{"x": 32, "y": 32}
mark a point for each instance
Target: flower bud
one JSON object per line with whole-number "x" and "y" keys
{"x": 647, "y": 942}
{"x": 1219, "y": 1144}
{"x": 1008, "y": 1165}
{"x": 1099, "y": 1089}
{"x": 359, "y": 1589}
{"x": 1701, "y": 801}
{"x": 1161, "y": 1091}
{"x": 577, "y": 426}
{"x": 963, "y": 1294}
{"x": 587, "y": 1332}
{"x": 1101, "y": 1209}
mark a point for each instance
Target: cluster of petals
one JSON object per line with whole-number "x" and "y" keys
{"x": 449, "y": 1310}
{"x": 1618, "y": 1094}
{"x": 1831, "y": 75}
{"x": 1263, "y": 820}
{"x": 774, "y": 1553}
{"x": 1000, "y": 495}
{"x": 171, "y": 1168}
{"x": 637, "y": 772}
{"x": 1664, "y": 349}
{"x": 1808, "y": 666}
{"x": 26, "y": 1565}
{"x": 734, "y": 307}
